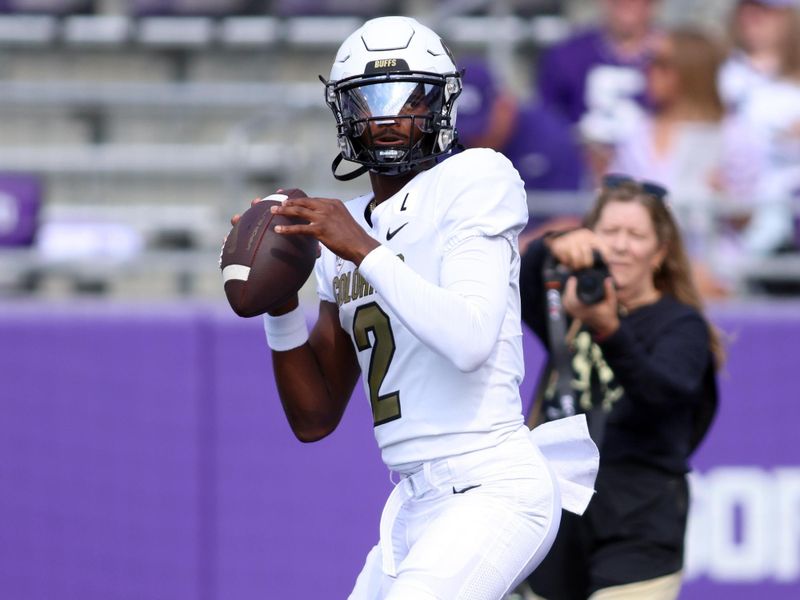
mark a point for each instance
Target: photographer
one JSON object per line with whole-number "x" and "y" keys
{"x": 629, "y": 346}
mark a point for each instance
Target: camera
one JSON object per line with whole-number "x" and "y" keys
{"x": 590, "y": 287}
{"x": 591, "y": 281}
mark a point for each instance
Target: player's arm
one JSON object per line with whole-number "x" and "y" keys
{"x": 672, "y": 371}
{"x": 316, "y": 372}
{"x": 315, "y": 380}
{"x": 460, "y": 319}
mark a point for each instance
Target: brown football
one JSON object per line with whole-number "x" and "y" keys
{"x": 262, "y": 269}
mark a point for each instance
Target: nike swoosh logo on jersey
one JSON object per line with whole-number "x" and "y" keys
{"x": 466, "y": 489}
{"x": 390, "y": 234}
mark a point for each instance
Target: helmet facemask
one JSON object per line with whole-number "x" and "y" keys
{"x": 393, "y": 122}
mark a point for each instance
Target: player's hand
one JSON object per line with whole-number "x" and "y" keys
{"x": 574, "y": 249}
{"x": 602, "y": 318}
{"x": 331, "y": 223}
{"x": 235, "y": 219}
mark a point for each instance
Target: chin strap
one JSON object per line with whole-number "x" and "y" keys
{"x": 346, "y": 176}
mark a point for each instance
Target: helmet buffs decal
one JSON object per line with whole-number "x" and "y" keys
{"x": 385, "y": 65}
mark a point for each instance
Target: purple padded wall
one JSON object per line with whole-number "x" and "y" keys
{"x": 144, "y": 454}
{"x": 100, "y": 477}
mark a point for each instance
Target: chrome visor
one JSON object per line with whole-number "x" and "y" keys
{"x": 390, "y": 98}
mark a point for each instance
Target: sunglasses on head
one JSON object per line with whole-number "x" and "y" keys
{"x": 617, "y": 180}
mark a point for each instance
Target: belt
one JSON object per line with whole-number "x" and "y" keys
{"x": 413, "y": 484}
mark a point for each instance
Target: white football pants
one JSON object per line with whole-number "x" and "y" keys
{"x": 469, "y": 527}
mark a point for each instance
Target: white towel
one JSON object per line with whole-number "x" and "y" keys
{"x": 573, "y": 457}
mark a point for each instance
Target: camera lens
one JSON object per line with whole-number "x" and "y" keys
{"x": 591, "y": 281}
{"x": 590, "y": 288}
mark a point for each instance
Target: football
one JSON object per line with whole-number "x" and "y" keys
{"x": 262, "y": 269}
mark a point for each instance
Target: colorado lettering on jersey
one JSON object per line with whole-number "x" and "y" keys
{"x": 350, "y": 286}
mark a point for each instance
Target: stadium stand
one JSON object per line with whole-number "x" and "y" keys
{"x": 167, "y": 116}
{"x": 155, "y": 120}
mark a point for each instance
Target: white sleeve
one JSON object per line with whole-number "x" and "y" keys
{"x": 460, "y": 319}
{"x": 752, "y": 175}
{"x": 769, "y": 227}
{"x": 771, "y": 221}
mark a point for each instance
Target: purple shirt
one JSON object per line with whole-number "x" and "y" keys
{"x": 541, "y": 144}
{"x": 544, "y": 151}
{"x": 542, "y": 147}
{"x": 565, "y": 71}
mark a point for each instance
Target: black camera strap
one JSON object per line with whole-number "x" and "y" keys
{"x": 560, "y": 357}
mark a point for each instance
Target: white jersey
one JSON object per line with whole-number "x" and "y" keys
{"x": 737, "y": 80}
{"x": 423, "y": 405}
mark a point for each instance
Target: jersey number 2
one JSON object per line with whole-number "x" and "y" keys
{"x": 370, "y": 318}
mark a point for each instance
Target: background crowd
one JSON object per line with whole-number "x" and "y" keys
{"x": 188, "y": 103}
{"x": 712, "y": 117}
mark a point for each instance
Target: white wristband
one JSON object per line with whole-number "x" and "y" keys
{"x": 286, "y": 331}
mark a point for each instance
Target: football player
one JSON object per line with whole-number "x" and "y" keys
{"x": 418, "y": 287}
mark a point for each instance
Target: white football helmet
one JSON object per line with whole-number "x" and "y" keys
{"x": 392, "y": 68}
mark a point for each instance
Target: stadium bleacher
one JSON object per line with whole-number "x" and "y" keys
{"x": 185, "y": 103}
{"x": 118, "y": 105}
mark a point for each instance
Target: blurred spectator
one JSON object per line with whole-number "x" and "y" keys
{"x": 688, "y": 145}
{"x": 596, "y": 77}
{"x": 774, "y": 113}
{"x": 765, "y": 35}
{"x": 761, "y": 82}
{"x": 537, "y": 140}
